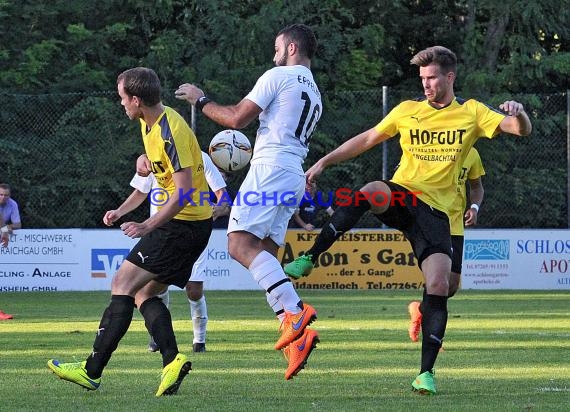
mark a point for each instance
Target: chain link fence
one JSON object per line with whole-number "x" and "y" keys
{"x": 70, "y": 157}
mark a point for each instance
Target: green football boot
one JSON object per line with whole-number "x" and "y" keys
{"x": 173, "y": 374}
{"x": 424, "y": 384}
{"x": 302, "y": 266}
{"x": 74, "y": 372}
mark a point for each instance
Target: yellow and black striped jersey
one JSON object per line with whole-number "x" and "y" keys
{"x": 435, "y": 143}
{"x": 472, "y": 169}
{"x": 171, "y": 145}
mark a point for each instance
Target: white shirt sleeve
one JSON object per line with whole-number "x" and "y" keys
{"x": 213, "y": 175}
{"x": 265, "y": 89}
{"x": 143, "y": 184}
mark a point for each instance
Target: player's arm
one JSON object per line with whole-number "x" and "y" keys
{"x": 235, "y": 116}
{"x": 144, "y": 168}
{"x": 183, "y": 183}
{"x": 222, "y": 206}
{"x": 135, "y": 199}
{"x": 300, "y": 222}
{"x": 183, "y": 186}
{"x": 476, "y": 193}
{"x": 4, "y": 234}
{"x": 15, "y": 219}
{"x": 348, "y": 150}
{"x": 517, "y": 122}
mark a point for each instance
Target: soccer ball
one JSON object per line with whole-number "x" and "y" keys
{"x": 230, "y": 150}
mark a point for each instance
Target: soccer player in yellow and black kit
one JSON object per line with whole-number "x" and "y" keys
{"x": 436, "y": 133}
{"x": 470, "y": 173}
{"x": 171, "y": 240}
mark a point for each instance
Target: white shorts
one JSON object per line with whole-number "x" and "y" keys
{"x": 199, "y": 268}
{"x": 266, "y": 201}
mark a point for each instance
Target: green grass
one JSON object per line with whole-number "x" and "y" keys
{"x": 504, "y": 351}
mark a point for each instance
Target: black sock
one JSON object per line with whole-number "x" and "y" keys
{"x": 343, "y": 219}
{"x": 434, "y": 321}
{"x": 114, "y": 324}
{"x": 158, "y": 321}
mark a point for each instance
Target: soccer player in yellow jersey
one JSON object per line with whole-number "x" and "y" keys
{"x": 470, "y": 174}
{"x": 170, "y": 240}
{"x": 436, "y": 133}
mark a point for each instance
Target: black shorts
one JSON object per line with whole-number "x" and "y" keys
{"x": 457, "y": 256}
{"x": 426, "y": 228}
{"x": 171, "y": 250}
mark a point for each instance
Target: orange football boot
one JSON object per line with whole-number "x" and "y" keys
{"x": 415, "y": 320}
{"x": 298, "y": 352}
{"x": 293, "y": 325}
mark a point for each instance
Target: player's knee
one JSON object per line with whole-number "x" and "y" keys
{"x": 194, "y": 295}
{"x": 194, "y": 292}
{"x": 378, "y": 195}
{"x": 437, "y": 285}
{"x": 453, "y": 284}
{"x": 121, "y": 286}
{"x": 235, "y": 251}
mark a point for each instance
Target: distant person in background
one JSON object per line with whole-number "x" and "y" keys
{"x": 220, "y": 211}
{"x": 5, "y": 239}
{"x": 305, "y": 216}
{"x": 9, "y": 221}
{"x": 470, "y": 174}
{"x": 5, "y": 233}
{"x": 9, "y": 211}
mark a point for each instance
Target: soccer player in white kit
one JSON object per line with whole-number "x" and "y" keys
{"x": 144, "y": 185}
{"x": 288, "y": 103}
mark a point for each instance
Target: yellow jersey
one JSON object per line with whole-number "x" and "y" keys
{"x": 435, "y": 143}
{"x": 171, "y": 146}
{"x": 472, "y": 169}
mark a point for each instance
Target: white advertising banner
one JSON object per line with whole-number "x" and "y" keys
{"x": 86, "y": 259}
{"x": 76, "y": 259}
{"x": 223, "y": 272}
{"x": 102, "y": 252}
{"x": 516, "y": 259}
{"x": 41, "y": 260}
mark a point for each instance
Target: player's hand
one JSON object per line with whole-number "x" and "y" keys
{"x": 143, "y": 165}
{"x": 471, "y": 217}
{"x": 5, "y": 239}
{"x": 134, "y": 229}
{"x": 512, "y": 108}
{"x": 219, "y": 211}
{"x": 309, "y": 227}
{"x": 314, "y": 172}
{"x": 111, "y": 216}
{"x": 188, "y": 92}
{"x": 308, "y": 186}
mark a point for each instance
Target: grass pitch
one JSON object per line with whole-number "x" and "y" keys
{"x": 504, "y": 351}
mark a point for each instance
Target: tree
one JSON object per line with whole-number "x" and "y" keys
{"x": 56, "y": 59}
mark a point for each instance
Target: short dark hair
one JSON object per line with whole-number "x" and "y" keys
{"x": 439, "y": 55}
{"x": 302, "y": 36}
{"x": 5, "y": 186}
{"x": 143, "y": 83}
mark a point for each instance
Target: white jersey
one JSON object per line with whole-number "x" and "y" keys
{"x": 291, "y": 104}
{"x": 214, "y": 178}
{"x": 145, "y": 184}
